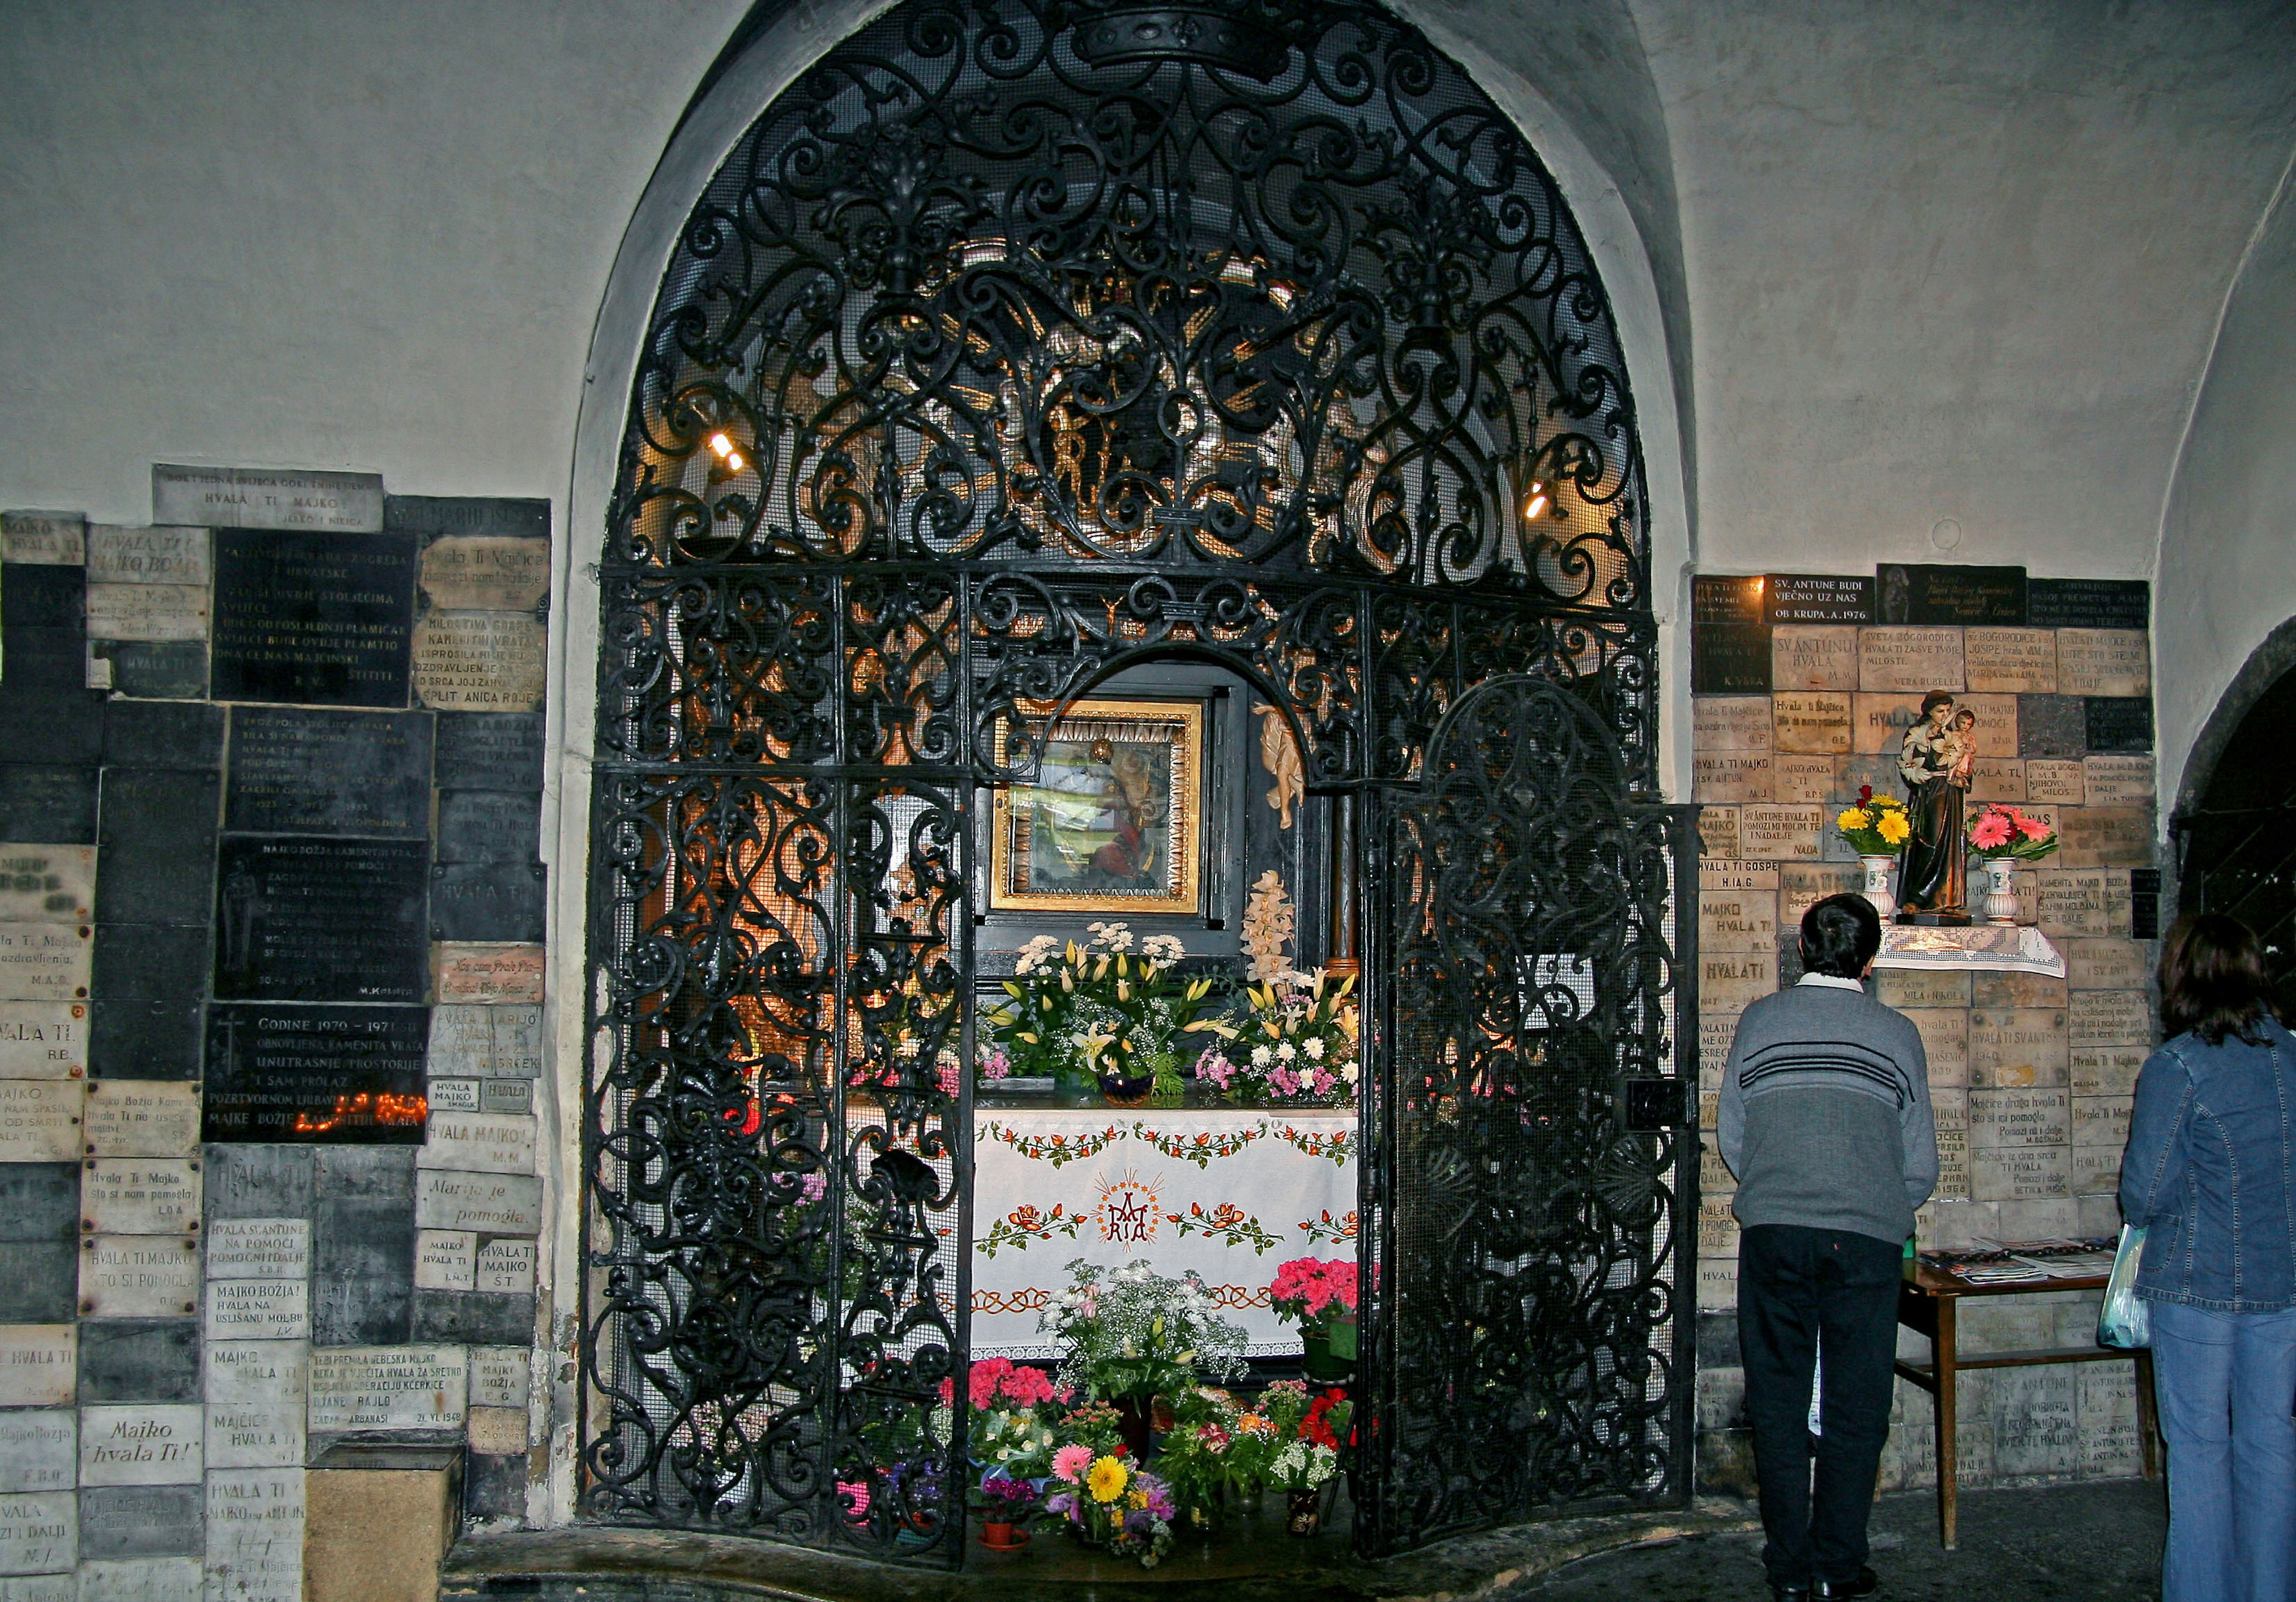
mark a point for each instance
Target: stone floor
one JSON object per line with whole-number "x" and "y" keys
{"x": 2098, "y": 1542}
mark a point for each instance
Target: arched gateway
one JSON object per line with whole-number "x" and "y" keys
{"x": 1019, "y": 343}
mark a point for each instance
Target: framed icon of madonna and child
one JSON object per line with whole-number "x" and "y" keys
{"x": 1110, "y": 823}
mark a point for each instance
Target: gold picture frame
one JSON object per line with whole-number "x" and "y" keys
{"x": 1112, "y": 823}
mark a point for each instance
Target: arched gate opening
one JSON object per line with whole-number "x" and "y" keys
{"x": 1013, "y": 347}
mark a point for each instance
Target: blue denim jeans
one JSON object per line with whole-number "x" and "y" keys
{"x": 2225, "y": 1383}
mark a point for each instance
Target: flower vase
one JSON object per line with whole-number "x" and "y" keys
{"x": 2000, "y": 890}
{"x": 1321, "y": 1359}
{"x": 1305, "y": 1515}
{"x": 1135, "y": 1415}
{"x": 1247, "y": 1498}
{"x": 1877, "y": 885}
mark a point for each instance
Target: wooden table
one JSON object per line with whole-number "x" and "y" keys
{"x": 1927, "y": 1303}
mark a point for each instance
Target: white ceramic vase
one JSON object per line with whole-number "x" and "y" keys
{"x": 2000, "y": 890}
{"x": 1877, "y": 885}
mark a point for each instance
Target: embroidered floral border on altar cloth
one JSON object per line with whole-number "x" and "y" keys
{"x": 1228, "y": 1192}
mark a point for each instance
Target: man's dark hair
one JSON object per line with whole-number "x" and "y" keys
{"x": 2213, "y": 981}
{"x": 1839, "y": 936}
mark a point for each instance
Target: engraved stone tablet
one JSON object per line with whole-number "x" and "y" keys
{"x": 1910, "y": 988}
{"x": 47, "y": 883}
{"x": 279, "y": 1072}
{"x": 1737, "y": 920}
{"x": 489, "y": 1204}
{"x": 497, "y": 1431}
{"x": 1916, "y": 593}
{"x": 2117, "y": 781}
{"x": 256, "y": 1434}
{"x": 1805, "y": 780}
{"x": 39, "y": 1533}
{"x": 2094, "y": 836}
{"x": 2012, "y": 661}
{"x": 2106, "y": 965}
{"x": 1909, "y": 661}
{"x": 437, "y": 516}
{"x": 45, "y": 962}
{"x": 2017, "y": 1048}
{"x": 2103, "y": 662}
{"x": 140, "y": 1196}
{"x": 259, "y": 1310}
{"x": 1793, "y": 598}
{"x": 1802, "y": 884}
{"x": 139, "y": 1276}
{"x": 506, "y": 1268}
{"x": 147, "y": 611}
{"x": 2101, "y": 1121}
{"x": 487, "y": 972}
{"x": 1729, "y": 659}
{"x": 1726, "y": 599}
{"x": 489, "y": 826}
{"x": 122, "y": 1523}
{"x": 39, "y": 1120}
{"x": 2118, "y": 724}
{"x": 1726, "y": 872}
{"x": 491, "y": 751}
{"x": 1813, "y": 658}
{"x": 258, "y": 1370}
{"x": 499, "y": 1376}
{"x": 321, "y": 919}
{"x": 1732, "y": 723}
{"x": 1996, "y": 991}
{"x": 142, "y": 1118}
{"x": 2088, "y": 604}
{"x": 2034, "y": 1116}
{"x": 489, "y": 901}
{"x": 1997, "y": 723}
{"x": 454, "y": 1095}
{"x": 388, "y": 1387}
{"x": 162, "y": 669}
{"x": 487, "y": 1042}
{"x": 1728, "y": 980}
{"x": 145, "y": 1443}
{"x": 2056, "y": 781}
{"x": 1782, "y": 832}
{"x": 325, "y": 620}
{"x": 475, "y": 1143}
{"x": 2096, "y": 1171}
{"x": 485, "y": 572}
{"x": 39, "y": 1450}
{"x": 42, "y": 539}
{"x": 1731, "y": 775}
{"x": 1997, "y": 779}
{"x": 37, "y": 1364}
{"x": 2051, "y": 726}
{"x": 1945, "y": 1042}
{"x": 1811, "y": 722}
{"x": 258, "y": 498}
{"x": 2107, "y": 1069}
{"x": 446, "y": 1259}
{"x": 1878, "y": 724}
{"x": 509, "y": 1097}
{"x": 303, "y": 771}
{"x": 480, "y": 662}
{"x": 2111, "y": 1018}
{"x": 255, "y": 1533}
{"x": 118, "y": 554}
{"x": 2077, "y": 901}
{"x": 260, "y": 1248}
{"x": 1718, "y": 831}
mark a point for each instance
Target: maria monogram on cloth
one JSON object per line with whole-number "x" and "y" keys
{"x": 1225, "y": 1192}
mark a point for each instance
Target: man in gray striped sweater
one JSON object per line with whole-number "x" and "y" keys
{"x": 1825, "y": 1121}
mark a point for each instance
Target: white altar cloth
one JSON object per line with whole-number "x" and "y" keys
{"x": 1228, "y": 1192}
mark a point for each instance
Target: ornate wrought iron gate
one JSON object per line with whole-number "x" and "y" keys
{"x": 1016, "y": 344}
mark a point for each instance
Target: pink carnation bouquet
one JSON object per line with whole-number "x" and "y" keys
{"x": 2004, "y": 831}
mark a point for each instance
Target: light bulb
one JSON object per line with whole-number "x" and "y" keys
{"x": 1535, "y": 501}
{"x": 721, "y": 445}
{"x": 732, "y": 461}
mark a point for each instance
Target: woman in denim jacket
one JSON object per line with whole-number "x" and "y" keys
{"x": 2211, "y": 1175}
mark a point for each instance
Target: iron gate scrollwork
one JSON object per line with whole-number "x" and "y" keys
{"x": 1019, "y": 342}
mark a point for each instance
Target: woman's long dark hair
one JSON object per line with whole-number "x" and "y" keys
{"x": 2212, "y": 980}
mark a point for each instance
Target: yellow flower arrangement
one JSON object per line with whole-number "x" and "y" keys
{"x": 1876, "y": 827}
{"x": 1107, "y": 1479}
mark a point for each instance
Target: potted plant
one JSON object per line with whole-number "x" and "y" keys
{"x": 1320, "y": 1295}
{"x": 1876, "y": 828}
{"x": 1005, "y": 1506}
{"x": 2000, "y": 837}
{"x": 1102, "y": 1013}
{"x": 1296, "y": 1047}
{"x": 1309, "y": 1430}
{"x": 1108, "y": 1500}
{"x": 1134, "y": 1334}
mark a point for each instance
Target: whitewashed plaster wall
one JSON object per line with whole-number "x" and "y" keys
{"x": 2227, "y": 575}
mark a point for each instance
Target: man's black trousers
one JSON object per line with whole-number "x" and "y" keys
{"x": 1798, "y": 1289}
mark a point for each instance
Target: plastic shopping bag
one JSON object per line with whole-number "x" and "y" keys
{"x": 2122, "y": 1323}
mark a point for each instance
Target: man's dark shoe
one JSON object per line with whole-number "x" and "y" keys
{"x": 1867, "y": 1584}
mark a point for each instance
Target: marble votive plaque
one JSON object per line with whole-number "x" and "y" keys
{"x": 39, "y": 1533}
{"x": 323, "y": 771}
{"x": 1785, "y": 833}
{"x": 43, "y": 1039}
{"x": 2109, "y": 1018}
{"x": 1909, "y": 661}
{"x": 318, "y": 918}
{"x": 475, "y": 1143}
{"x": 2117, "y": 781}
{"x": 388, "y": 1387}
{"x": 259, "y": 1310}
{"x": 1718, "y": 831}
{"x": 2094, "y": 836}
{"x": 156, "y": 554}
{"x": 47, "y": 883}
{"x": 2011, "y": 661}
{"x": 2103, "y": 662}
{"x": 1811, "y": 722}
{"x": 2088, "y": 604}
{"x": 255, "y": 1434}
{"x": 302, "y": 1074}
{"x": 446, "y": 1259}
{"x": 2107, "y": 1069}
{"x": 262, "y": 498}
{"x": 1737, "y": 920}
{"x": 1798, "y": 779}
{"x": 45, "y": 962}
{"x": 486, "y": 1042}
{"x": 260, "y": 1248}
{"x": 2017, "y": 1048}
{"x": 39, "y": 1365}
{"x": 1878, "y": 723}
{"x": 147, "y": 611}
{"x": 505, "y": 1268}
{"x": 40, "y": 1119}
{"x": 485, "y": 572}
{"x": 139, "y": 1276}
{"x": 255, "y": 1519}
{"x": 44, "y": 539}
{"x": 142, "y": 1118}
{"x": 487, "y": 972}
{"x": 1813, "y": 658}
{"x": 316, "y": 620}
{"x": 494, "y": 1204}
{"x": 141, "y": 1443}
{"x": 2106, "y": 965}
{"x": 1730, "y": 723}
{"x": 2056, "y": 781}
{"x": 1790, "y": 599}
{"x": 499, "y": 1377}
{"x": 140, "y": 1196}
{"x": 39, "y": 1449}
{"x": 1731, "y": 777}
{"x": 480, "y": 662}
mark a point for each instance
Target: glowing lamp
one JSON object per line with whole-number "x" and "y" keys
{"x": 726, "y": 454}
{"x": 1536, "y": 501}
